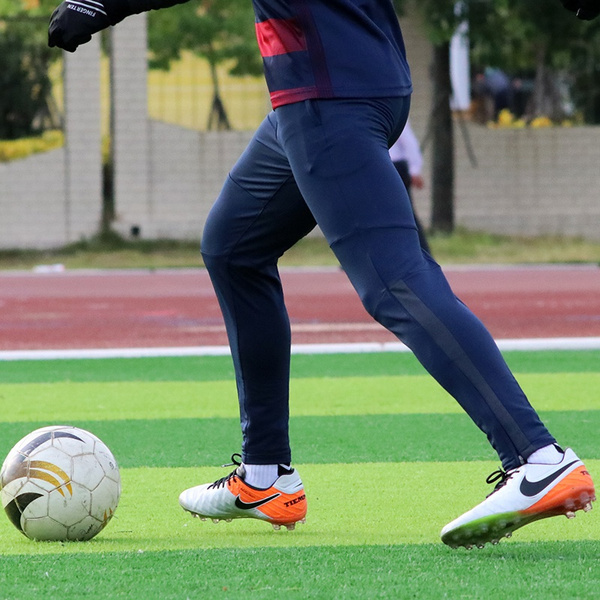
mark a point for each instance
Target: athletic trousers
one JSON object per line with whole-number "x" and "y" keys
{"x": 327, "y": 162}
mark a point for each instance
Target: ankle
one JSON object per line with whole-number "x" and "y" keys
{"x": 264, "y": 476}
{"x": 548, "y": 455}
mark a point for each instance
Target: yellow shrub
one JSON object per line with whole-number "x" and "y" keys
{"x": 505, "y": 118}
{"x": 540, "y": 122}
{"x": 17, "y": 149}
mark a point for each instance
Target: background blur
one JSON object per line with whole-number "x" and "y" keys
{"x": 135, "y": 132}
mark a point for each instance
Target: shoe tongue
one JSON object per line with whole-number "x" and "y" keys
{"x": 241, "y": 472}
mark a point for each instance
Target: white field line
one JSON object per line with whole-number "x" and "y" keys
{"x": 531, "y": 344}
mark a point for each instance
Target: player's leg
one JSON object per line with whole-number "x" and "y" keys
{"x": 338, "y": 153}
{"x": 257, "y": 217}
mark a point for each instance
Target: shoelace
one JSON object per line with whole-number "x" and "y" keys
{"x": 236, "y": 460}
{"x": 499, "y": 476}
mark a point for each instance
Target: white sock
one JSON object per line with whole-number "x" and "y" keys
{"x": 548, "y": 455}
{"x": 261, "y": 476}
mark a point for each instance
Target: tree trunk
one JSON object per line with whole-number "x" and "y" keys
{"x": 442, "y": 187}
{"x": 545, "y": 101}
{"x": 217, "y": 118}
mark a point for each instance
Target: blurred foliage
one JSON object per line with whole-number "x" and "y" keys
{"x": 25, "y": 102}
{"x": 26, "y": 87}
{"x": 31, "y": 8}
{"x": 220, "y": 31}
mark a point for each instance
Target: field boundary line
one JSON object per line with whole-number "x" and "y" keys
{"x": 525, "y": 345}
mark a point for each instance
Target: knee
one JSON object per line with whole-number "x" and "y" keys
{"x": 215, "y": 239}
{"x": 372, "y": 299}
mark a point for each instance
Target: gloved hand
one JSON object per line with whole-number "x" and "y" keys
{"x": 74, "y": 22}
{"x": 583, "y": 9}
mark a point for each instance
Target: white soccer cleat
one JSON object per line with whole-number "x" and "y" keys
{"x": 282, "y": 504}
{"x": 524, "y": 495}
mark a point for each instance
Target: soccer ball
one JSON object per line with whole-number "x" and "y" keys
{"x": 60, "y": 483}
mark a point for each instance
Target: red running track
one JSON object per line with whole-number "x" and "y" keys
{"x": 138, "y": 309}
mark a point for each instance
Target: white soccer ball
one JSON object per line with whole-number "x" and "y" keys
{"x": 60, "y": 483}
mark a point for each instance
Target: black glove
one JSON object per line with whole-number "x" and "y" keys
{"x": 74, "y": 22}
{"x": 583, "y": 9}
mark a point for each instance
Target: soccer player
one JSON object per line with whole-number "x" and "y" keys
{"x": 340, "y": 89}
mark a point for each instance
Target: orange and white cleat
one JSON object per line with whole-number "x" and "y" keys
{"x": 523, "y": 495}
{"x": 283, "y": 504}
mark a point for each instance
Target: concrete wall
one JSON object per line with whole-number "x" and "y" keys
{"x": 531, "y": 182}
{"x": 51, "y": 199}
{"x": 188, "y": 169}
{"x": 526, "y": 182}
{"x": 32, "y": 201}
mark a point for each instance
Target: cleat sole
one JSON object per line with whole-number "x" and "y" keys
{"x": 276, "y": 526}
{"x": 478, "y": 534}
{"x": 574, "y": 492}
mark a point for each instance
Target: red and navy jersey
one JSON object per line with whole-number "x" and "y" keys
{"x": 331, "y": 49}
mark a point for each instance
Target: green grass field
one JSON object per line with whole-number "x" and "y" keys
{"x": 386, "y": 456}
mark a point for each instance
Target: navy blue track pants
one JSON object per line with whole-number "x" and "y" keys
{"x": 327, "y": 162}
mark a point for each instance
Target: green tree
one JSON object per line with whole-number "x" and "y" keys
{"x": 441, "y": 19}
{"x": 538, "y": 37}
{"x": 25, "y": 101}
{"x": 585, "y": 72}
{"x": 221, "y": 31}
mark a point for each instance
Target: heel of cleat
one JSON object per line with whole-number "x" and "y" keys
{"x": 584, "y": 503}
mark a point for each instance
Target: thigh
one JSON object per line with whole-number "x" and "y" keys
{"x": 260, "y": 212}
{"x": 338, "y": 152}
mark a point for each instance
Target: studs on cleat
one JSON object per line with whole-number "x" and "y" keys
{"x": 587, "y": 507}
{"x": 215, "y": 520}
{"x": 570, "y": 514}
{"x": 288, "y": 526}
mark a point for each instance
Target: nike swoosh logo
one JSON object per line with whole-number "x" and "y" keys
{"x": 248, "y": 505}
{"x": 532, "y": 488}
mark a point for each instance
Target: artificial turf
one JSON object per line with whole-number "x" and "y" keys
{"x": 214, "y": 368}
{"x": 387, "y": 459}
